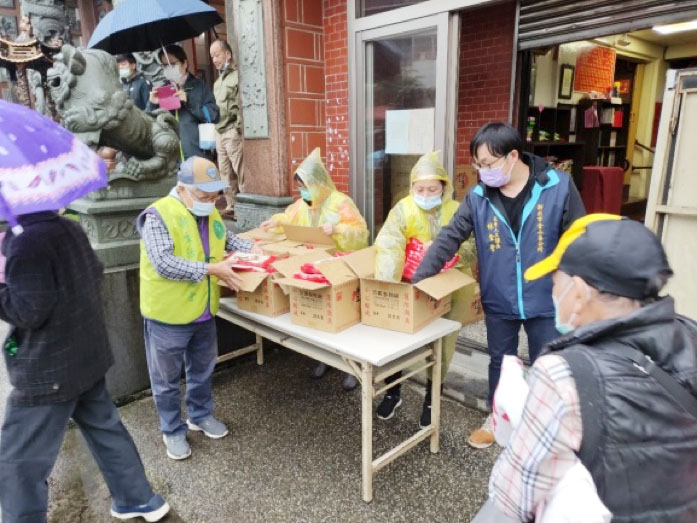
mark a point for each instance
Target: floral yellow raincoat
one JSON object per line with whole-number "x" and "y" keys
{"x": 407, "y": 220}
{"x": 328, "y": 206}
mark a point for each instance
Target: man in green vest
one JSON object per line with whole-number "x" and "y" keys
{"x": 184, "y": 241}
{"x": 229, "y": 128}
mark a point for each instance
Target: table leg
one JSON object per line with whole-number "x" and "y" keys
{"x": 367, "y": 430}
{"x": 260, "y": 350}
{"x": 435, "y": 395}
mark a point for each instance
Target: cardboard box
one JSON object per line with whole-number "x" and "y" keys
{"x": 402, "y": 306}
{"x": 299, "y": 241}
{"x": 327, "y": 307}
{"x": 260, "y": 293}
{"x": 262, "y": 237}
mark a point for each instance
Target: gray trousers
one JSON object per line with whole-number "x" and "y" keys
{"x": 31, "y": 439}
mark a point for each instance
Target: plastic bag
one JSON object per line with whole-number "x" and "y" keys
{"x": 309, "y": 272}
{"x": 509, "y": 399}
{"x": 246, "y": 261}
{"x": 206, "y": 132}
{"x": 574, "y": 500}
{"x": 414, "y": 253}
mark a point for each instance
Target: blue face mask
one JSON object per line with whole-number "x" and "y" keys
{"x": 427, "y": 203}
{"x": 562, "y": 328}
{"x": 305, "y": 194}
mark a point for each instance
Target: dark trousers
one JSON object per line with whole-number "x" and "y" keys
{"x": 170, "y": 349}
{"x": 31, "y": 439}
{"x": 502, "y": 339}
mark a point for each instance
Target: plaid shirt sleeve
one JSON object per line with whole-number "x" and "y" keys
{"x": 159, "y": 247}
{"x": 235, "y": 243}
{"x": 542, "y": 448}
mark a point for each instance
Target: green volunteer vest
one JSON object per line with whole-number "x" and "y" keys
{"x": 181, "y": 302}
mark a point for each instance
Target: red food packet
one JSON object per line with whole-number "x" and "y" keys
{"x": 414, "y": 253}
{"x": 308, "y": 268}
{"x": 246, "y": 261}
{"x": 317, "y": 278}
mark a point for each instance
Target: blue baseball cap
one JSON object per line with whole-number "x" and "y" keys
{"x": 202, "y": 174}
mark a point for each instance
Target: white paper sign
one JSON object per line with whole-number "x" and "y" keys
{"x": 409, "y": 131}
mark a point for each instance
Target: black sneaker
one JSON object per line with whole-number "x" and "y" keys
{"x": 388, "y": 405}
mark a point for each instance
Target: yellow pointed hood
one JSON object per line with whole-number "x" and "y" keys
{"x": 428, "y": 167}
{"x": 315, "y": 177}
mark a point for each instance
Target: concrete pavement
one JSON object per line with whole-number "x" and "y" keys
{"x": 293, "y": 455}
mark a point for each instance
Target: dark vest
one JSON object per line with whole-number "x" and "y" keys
{"x": 639, "y": 444}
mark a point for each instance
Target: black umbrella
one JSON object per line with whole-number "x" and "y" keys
{"x": 145, "y": 25}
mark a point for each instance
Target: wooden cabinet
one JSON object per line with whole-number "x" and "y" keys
{"x": 606, "y": 140}
{"x": 560, "y": 134}
{"x": 553, "y": 137}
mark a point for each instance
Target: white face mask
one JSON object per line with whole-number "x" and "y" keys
{"x": 200, "y": 208}
{"x": 173, "y": 74}
{"x": 124, "y": 73}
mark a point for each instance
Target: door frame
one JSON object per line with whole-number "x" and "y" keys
{"x": 443, "y": 136}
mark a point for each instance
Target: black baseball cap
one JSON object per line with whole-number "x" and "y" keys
{"x": 611, "y": 253}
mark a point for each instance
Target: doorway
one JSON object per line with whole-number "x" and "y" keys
{"x": 401, "y": 78}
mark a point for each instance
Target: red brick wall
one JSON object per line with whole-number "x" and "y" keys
{"x": 304, "y": 76}
{"x": 336, "y": 71}
{"x": 486, "y": 54}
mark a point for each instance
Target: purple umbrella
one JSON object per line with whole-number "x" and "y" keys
{"x": 43, "y": 167}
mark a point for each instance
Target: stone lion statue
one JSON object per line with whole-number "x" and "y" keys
{"x": 85, "y": 87}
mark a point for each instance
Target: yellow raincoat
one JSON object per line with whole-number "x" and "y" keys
{"x": 407, "y": 220}
{"x": 328, "y": 206}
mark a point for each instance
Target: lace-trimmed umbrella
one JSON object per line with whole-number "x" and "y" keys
{"x": 43, "y": 167}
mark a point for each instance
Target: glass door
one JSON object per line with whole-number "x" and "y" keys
{"x": 401, "y": 95}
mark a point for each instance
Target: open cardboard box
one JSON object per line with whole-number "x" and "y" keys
{"x": 300, "y": 240}
{"x": 262, "y": 237}
{"x": 327, "y": 307}
{"x": 260, "y": 293}
{"x": 402, "y": 306}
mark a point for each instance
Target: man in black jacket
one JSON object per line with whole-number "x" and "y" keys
{"x": 57, "y": 354}
{"x": 618, "y": 390}
{"x": 134, "y": 83}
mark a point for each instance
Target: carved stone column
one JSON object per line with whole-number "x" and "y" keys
{"x": 256, "y": 37}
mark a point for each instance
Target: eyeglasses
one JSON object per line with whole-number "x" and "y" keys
{"x": 480, "y": 166}
{"x": 208, "y": 198}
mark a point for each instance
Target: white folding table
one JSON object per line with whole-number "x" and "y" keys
{"x": 368, "y": 353}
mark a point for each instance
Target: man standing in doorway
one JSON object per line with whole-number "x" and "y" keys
{"x": 517, "y": 213}
{"x": 134, "y": 83}
{"x": 229, "y": 143}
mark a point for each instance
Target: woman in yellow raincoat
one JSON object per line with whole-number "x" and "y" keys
{"x": 421, "y": 215}
{"x": 321, "y": 205}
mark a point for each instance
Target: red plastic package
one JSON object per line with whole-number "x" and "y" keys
{"x": 317, "y": 278}
{"x": 414, "y": 253}
{"x": 245, "y": 261}
{"x": 308, "y": 268}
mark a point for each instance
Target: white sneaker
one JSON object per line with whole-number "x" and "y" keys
{"x": 177, "y": 446}
{"x": 210, "y": 426}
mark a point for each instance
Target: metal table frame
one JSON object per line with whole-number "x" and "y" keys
{"x": 368, "y": 375}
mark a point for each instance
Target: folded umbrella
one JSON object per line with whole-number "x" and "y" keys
{"x": 145, "y": 25}
{"x": 43, "y": 167}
